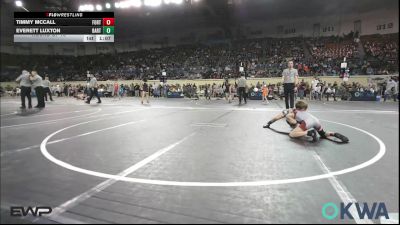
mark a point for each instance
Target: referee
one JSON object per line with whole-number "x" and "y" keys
{"x": 242, "y": 89}
{"x": 93, "y": 86}
{"x": 290, "y": 79}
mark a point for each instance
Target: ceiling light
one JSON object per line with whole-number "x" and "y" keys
{"x": 18, "y": 3}
{"x": 152, "y": 3}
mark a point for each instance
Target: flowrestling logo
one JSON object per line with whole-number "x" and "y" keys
{"x": 20, "y": 211}
{"x": 331, "y": 211}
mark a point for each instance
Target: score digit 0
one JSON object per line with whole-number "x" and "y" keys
{"x": 108, "y": 30}
{"x": 108, "y": 21}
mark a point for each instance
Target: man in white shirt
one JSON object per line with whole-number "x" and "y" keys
{"x": 37, "y": 85}
{"x": 58, "y": 90}
{"x": 93, "y": 89}
{"x": 46, "y": 88}
{"x": 328, "y": 92}
{"x": 290, "y": 79}
{"x": 242, "y": 89}
{"x": 25, "y": 84}
{"x": 372, "y": 90}
{"x": 314, "y": 84}
{"x": 317, "y": 92}
{"x": 391, "y": 88}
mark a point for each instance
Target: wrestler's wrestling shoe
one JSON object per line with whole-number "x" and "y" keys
{"x": 312, "y": 133}
{"x": 267, "y": 125}
{"x": 343, "y": 138}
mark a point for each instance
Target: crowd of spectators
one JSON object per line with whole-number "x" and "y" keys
{"x": 265, "y": 57}
{"x": 317, "y": 89}
{"x": 330, "y": 49}
{"x": 328, "y": 52}
{"x": 382, "y": 53}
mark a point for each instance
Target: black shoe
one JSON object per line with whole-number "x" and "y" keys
{"x": 30, "y": 107}
{"x": 87, "y": 102}
{"x": 99, "y": 102}
{"x": 267, "y": 125}
{"x": 313, "y": 134}
{"x": 343, "y": 138}
{"x": 37, "y": 106}
{"x": 22, "y": 107}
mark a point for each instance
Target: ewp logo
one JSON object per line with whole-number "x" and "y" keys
{"x": 34, "y": 211}
{"x": 330, "y": 210}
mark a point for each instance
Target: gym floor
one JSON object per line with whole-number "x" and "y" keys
{"x": 193, "y": 161}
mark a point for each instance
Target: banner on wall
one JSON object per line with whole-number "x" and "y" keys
{"x": 255, "y": 95}
{"x": 363, "y": 96}
{"x": 173, "y": 94}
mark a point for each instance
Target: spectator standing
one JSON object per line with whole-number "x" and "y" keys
{"x": 384, "y": 92}
{"x": 208, "y": 91}
{"x": 317, "y": 92}
{"x": 226, "y": 87}
{"x": 145, "y": 91}
{"x": 46, "y": 88}
{"x": 334, "y": 90}
{"x": 65, "y": 90}
{"x": 391, "y": 88}
{"x": 265, "y": 93}
{"x": 328, "y": 92}
{"x": 231, "y": 92}
{"x": 115, "y": 92}
{"x": 137, "y": 90}
{"x": 37, "y": 85}
{"x": 314, "y": 84}
{"x": 25, "y": 84}
{"x": 121, "y": 90}
{"x": 301, "y": 89}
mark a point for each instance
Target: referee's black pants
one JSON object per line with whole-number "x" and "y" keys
{"x": 288, "y": 90}
{"x": 93, "y": 92}
{"x": 26, "y": 92}
{"x": 47, "y": 91}
{"x": 40, "y": 96}
{"x": 242, "y": 94}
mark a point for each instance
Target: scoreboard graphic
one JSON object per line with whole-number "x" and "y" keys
{"x": 64, "y": 26}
